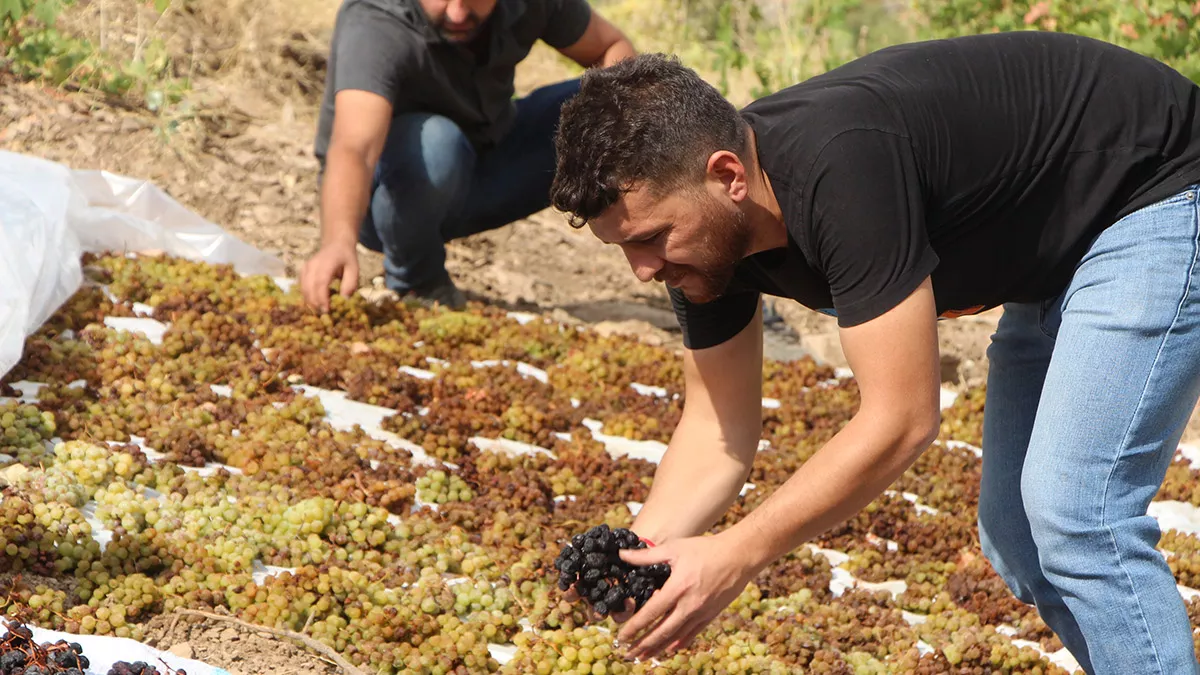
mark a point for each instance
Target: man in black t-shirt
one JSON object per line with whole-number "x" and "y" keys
{"x": 1052, "y": 174}
{"x": 420, "y": 140}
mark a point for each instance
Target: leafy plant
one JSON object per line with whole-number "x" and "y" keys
{"x": 34, "y": 48}
{"x": 1161, "y": 29}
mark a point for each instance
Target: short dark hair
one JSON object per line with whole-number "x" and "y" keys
{"x": 648, "y": 120}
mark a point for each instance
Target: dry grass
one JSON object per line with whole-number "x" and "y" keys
{"x": 273, "y": 48}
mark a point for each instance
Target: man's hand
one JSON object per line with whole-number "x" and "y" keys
{"x": 331, "y": 262}
{"x": 360, "y": 128}
{"x": 707, "y": 573}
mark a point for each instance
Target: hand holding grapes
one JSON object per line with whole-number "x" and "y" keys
{"x": 706, "y": 575}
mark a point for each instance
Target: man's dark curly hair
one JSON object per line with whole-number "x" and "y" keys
{"x": 647, "y": 120}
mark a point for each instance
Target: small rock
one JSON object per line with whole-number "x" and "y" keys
{"x": 359, "y": 348}
{"x": 12, "y": 473}
{"x": 379, "y": 295}
{"x": 183, "y": 650}
{"x": 230, "y": 634}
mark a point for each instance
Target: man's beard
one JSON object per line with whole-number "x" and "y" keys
{"x": 470, "y": 34}
{"x": 726, "y": 243}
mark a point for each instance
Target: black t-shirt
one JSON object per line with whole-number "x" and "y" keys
{"x": 990, "y": 162}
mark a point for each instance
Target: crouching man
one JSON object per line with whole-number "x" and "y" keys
{"x": 419, "y": 139}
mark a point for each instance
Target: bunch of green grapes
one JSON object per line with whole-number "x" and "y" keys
{"x": 310, "y": 516}
{"x": 448, "y": 331}
{"x": 45, "y": 538}
{"x": 439, "y": 487}
{"x": 1181, "y": 483}
{"x": 23, "y": 432}
{"x": 581, "y": 650}
{"x": 563, "y": 481}
{"x": 118, "y": 504}
{"x": 963, "y": 420}
{"x": 40, "y": 605}
{"x": 735, "y": 652}
{"x": 1184, "y": 560}
{"x": 803, "y": 568}
{"x": 93, "y": 466}
{"x": 201, "y": 589}
{"x": 471, "y": 597}
{"x": 964, "y": 642}
{"x": 118, "y": 607}
{"x": 52, "y": 485}
{"x": 784, "y": 380}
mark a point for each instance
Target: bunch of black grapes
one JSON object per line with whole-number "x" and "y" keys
{"x": 592, "y": 564}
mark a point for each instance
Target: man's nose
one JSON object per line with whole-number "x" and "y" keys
{"x": 644, "y": 265}
{"x": 457, "y": 11}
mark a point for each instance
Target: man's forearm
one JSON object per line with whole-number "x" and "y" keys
{"x": 695, "y": 484}
{"x": 618, "y": 51}
{"x": 855, "y": 467}
{"x": 344, "y": 196}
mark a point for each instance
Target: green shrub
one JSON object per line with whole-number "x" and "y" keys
{"x": 1161, "y": 29}
{"x": 34, "y": 48}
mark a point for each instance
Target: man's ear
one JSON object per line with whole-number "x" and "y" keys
{"x": 727, "y": 169}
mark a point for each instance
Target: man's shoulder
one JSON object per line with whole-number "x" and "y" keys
{"x": 399, "y": 19}
{"x": 794, "y": 126}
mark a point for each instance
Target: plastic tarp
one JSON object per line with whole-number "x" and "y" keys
{"x": 103, "y": 652}
{"x": 50, "y": 214}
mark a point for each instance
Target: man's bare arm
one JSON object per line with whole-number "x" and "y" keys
{"x": 895, "y": 361}
{"x": 602, "y": 44}
{"x": 360, "y": 128}
{"x": 713, "y": 447}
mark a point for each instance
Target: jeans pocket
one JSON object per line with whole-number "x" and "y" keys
{"x": 1050, "y": 314}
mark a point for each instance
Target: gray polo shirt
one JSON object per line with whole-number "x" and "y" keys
{"x": 388, "y": 47}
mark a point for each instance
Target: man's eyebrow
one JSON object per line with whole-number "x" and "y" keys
{"x": 645, "y": 236}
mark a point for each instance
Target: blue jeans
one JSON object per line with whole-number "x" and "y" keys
{"x": 431, "y": 186}
{"x": 1088, "y": 395}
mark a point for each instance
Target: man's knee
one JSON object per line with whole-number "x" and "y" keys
{"x": 427, "y": 155}
{"x": 1066, "y": 526}
{"x": 1010, "y": 553}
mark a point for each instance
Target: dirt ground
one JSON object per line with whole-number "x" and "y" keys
{"x": 235, "y": 648}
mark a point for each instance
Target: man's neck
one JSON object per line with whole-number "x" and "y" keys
{"x": 762, "y": 208}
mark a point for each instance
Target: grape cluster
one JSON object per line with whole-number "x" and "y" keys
{"x": 20, "y": 654}
{"x": 592, "y": 565}
{"x": 963, "y": 421}
{"x": 23, "y": 430}
{"x": 439, "y": 487}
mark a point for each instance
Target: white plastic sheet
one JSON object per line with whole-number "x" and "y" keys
{"x": 102, "y": 652}
{"x": 51, "y": 213}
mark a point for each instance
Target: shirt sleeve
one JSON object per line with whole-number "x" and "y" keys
{"x": 372, "y": 52}
{"x": 866, "y": 232}
{"x": 712, "y": 323}
{"x": 566, "y": 21}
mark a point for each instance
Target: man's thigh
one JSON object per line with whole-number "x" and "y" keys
{"x": 1125, "y": 373}
{"x": 512, "y": 180}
